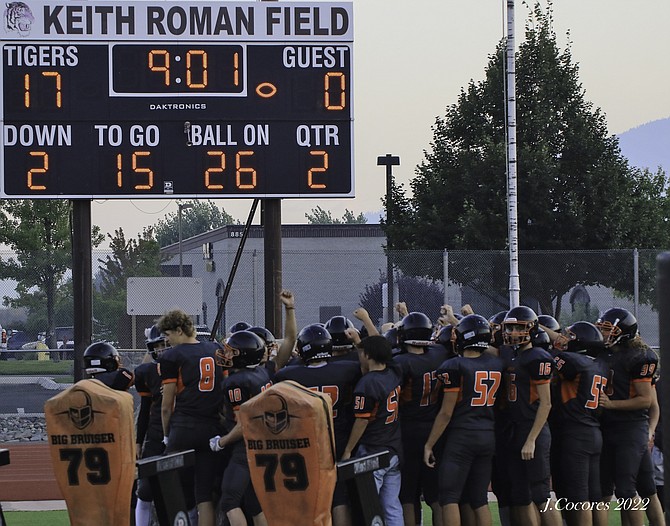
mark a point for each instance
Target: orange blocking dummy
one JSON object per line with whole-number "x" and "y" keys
{"x": 92, "y": 443}
{"x": 288, "y": 432}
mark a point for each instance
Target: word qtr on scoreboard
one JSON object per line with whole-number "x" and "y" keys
{"x": 128, "y": 100}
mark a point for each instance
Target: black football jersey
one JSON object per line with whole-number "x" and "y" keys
{"x": 377, "y": 399}
{"x": 193, "y": 368}
{"x": 524, "y": 371}
{"x": 337, "y": 379}
{"x": 421, "y": 396}
{"x": 626, "y": 368}
{"x": 242, "y": 385}
{"x": 580, "y": 379}
{"x": 148, "y": 385}
{"x": 477, "y": 382}
{"x": 120, "y": 380}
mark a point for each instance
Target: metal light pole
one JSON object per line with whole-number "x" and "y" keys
{"x": 389, "y": 161}
{"x": 182, "y": 206}
{"x": 512, "y": 215}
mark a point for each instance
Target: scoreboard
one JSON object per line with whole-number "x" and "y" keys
{"x": 138, "y": 99}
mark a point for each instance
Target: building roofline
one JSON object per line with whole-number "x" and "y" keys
{"x": 287, "y": 232}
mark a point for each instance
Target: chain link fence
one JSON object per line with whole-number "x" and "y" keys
{"x": 569, "y": 285}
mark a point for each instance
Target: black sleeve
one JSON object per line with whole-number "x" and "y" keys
{"x": 143, "y": 419}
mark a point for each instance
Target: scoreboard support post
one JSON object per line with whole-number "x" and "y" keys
{"x": 163, "y": 474}
{"x": 82, "y": 275}
{"x": 4, "y": 460}
{"x": 271, "y": 214}
{"x": 358, "y": 473}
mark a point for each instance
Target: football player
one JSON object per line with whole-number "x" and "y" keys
{"x": 625, "y": 401}
{"x": 149, "y": 430}
{"x": 420, "y": 400}
{"x": 337, "y": 379}
{"x": 528, "y": 372}
{"x": 576, "y": 424}
{"x": 192, "y": 398}
{"x": 376, "y": 427}
{"x": 242, "y": 354}
{"x": 471, "y": 382}
{"x": 503, "y": 424}
{"x": 343, "y": 346}
{"x": 102, "y": 362}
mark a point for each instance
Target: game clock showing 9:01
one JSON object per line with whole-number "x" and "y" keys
{"x": 120, "y": 120}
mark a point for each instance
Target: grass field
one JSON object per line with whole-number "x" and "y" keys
{"x": 37, "y": 518}
{"x": 60, "y": 518}
{"x": 33, "y": 367}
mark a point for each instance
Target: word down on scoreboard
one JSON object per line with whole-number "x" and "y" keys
{"x": 129, "y": 99}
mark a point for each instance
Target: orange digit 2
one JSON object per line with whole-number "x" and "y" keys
{"x": 33, "y": 171}
{"x": 319, "y": 169}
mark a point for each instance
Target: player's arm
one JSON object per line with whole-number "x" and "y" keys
{"x": 439, "y": 425}
{"x": 641, "y": 400}
{"x": 360, "y": 424}
{"x": 363, "y": 315}
{"x": 654, "y": 414}
{"x": 167, "y": 405}
{"x": 447, "y": 316}
{"x": 544, "y": 396}
{"x": 551, "y": 333}
{"x": 467, "y": 309}
{"x": 401, "y": 308}
{"x": 142, "y": 424}
{"x": 290, "y": 329}
{"x": 232, "y": 437}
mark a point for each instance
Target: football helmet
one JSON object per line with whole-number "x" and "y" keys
{"x": 266, "y": 335}
{"x": 156, "y": 341}
{"x": 239, "y": 326}
{"x": 415, "y": 329}
{"x": 549, "y": 322}
{"x": 392, "y": 336}
{"x": 581, "y": 337}
{"x": 519, "y": 325}
{"x": 472, "y": 332}
{"x": 314, "y": 343}
{"x": 336, "y": 327}
{"x": 540, "y": 338}
{"x": 241, "y": 349}
{"x": 617, "y": 325}
{"x": 495, "y": 322}
{"x": 101, "y": 357}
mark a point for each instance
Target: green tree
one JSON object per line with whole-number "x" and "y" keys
{"x": 202, "y": 216}
{"x": 576, "y": 191}
{"x": 420, "y": 294}
{"x": 319, "y": 216}
{"x": 39, "y": 233}
{"x": 129, "y": 258}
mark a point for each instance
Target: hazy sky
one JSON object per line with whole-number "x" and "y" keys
{"x": 412, "y": 58}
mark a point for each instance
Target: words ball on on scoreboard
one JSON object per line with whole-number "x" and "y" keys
{"x": 128, "y": 99}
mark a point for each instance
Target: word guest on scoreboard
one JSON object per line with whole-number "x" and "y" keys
{"x": 131, "y": 99}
